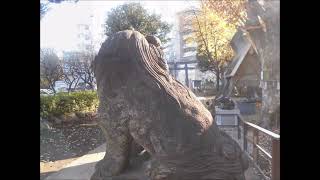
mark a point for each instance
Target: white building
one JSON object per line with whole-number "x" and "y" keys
{"x": 90, "y": 34}
{"x": 179, "y": 50}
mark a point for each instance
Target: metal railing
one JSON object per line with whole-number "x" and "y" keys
{"x": 256, "y": 147}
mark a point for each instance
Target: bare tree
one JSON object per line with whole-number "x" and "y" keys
{"x": 50, "y": 67}
{"x": 86, "y": 56}
{"x": 70, "y": 71}
{"x": 77, "y": 70}
{"x": 86, "y": 74}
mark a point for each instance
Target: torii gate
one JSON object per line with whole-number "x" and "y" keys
{"x": 185, "y": 68}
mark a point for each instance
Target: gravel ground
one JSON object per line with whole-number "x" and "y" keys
{"x": 61, "y": 145}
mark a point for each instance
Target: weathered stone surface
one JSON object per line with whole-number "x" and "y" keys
{"x": 141, "y": 104}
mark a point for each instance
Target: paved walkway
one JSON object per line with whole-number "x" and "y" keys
{"x": 83, "y": 167}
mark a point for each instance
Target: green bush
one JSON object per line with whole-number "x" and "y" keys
{"x": 65, "y": 103}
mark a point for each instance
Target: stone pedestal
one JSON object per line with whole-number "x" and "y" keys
{"x": 225, "y": 117}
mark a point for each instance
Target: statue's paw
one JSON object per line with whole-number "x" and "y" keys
{"x": 102, "y": 172}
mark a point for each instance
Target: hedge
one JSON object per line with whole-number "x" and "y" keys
{"x": 66, "y": 103}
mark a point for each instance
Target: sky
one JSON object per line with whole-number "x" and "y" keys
{"x": 58, "y": 28}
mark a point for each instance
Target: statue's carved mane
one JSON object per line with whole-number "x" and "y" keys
{"x": 141, "y": 58}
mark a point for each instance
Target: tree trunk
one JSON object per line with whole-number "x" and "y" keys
{"x": 76, "y": 84}
{"x": 218, "y": 79}
{"x": 91, "y": 85}
{"x": 51, "y": 85}
{"x": 69, "y": 88}
{"x": 52, "y": 88}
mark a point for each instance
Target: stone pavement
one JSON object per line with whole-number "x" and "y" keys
{"x": 83, "y": 167}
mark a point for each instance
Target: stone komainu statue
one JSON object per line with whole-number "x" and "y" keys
{"x": 141, "y": 104}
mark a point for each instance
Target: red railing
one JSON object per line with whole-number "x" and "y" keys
{"x": 254, "y": 140}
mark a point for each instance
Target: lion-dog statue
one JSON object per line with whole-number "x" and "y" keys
{"x": 141, "y": 104}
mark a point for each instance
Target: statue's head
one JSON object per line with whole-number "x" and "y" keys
{"x": 153, "y": 40}
{"x": 127, "y": 60}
